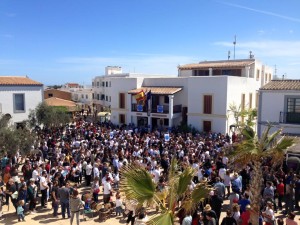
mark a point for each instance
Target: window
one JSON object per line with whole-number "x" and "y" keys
{"x": 206, "y": 126}
{"x": 166, "y": 99}
{"x": 250, "y": 101}
{"x": 293, "y": 105}
{"x": 122, "y": 101}
{"x": 207, "y": 104}
{"x": 266, "y": 77}
{"x": 50, "y": 95}
{"x": 110, "y": 83}
{"x": 257, "y": 75}
{"x": 270, "y": 77}
{"x": 98, "y": 84}
{"x": 86, "y": 96}
{"x": 82, "y": 96}
{"x": 256, "y": 100}
{"x": 103, "y": 84}
{"x": 106, "y": 84}
{"x": 98, "y": 96}
{"x": 93, "y": 96}
{"x": 109, "y": 98}
{"x": 200, "y": 72}
{"x": 102, "y": 97}
{"x": 19, "y": 102}
{"x": 106, "y": 98}
{"x": 121, "y": 118}
{"x": 93, "y": 83}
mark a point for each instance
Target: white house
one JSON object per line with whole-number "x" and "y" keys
{"x": 279, "y": 104}
{"x": 199, "y": 96}
{"x": 18, "y": 95}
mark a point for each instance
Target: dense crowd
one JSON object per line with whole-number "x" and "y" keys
{"x": 84, "y": 154}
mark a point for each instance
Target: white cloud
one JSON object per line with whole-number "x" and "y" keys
{"x": 267, "y": 48}
{"x": 263, "y": 12}
{"x": 6, "y": 35}
{"x": 10, "y": 14}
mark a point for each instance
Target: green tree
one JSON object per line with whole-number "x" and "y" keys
{"x": 238, "y": 113}
{"x": 137, "y": 184}
{"x": 256, "y": 150}
{"x": 48, "y": 116}
{"x": 13, "y": 139}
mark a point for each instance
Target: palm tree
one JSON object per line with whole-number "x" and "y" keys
{"x": 137, "y": 184}
{"x": 256, "y": 150}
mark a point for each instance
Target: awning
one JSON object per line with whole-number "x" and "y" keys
{"x": 157, "y": 90}
{"x": 103, "y": 114}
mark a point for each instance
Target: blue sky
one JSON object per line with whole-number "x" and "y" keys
{"x": 59, "y": 41}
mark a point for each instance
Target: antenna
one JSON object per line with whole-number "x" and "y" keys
{"x": 251, "y": 56}
{"x": 228, "y": 56}
{"x": 234, "y": 43}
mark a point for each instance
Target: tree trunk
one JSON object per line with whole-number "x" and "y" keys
{"x": 255, "y": 188}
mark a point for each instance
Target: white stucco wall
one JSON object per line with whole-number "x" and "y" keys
{"x": 270, "y": 112}
{"x": 33, "y": 96}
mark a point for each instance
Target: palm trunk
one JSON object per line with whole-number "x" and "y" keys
{"x": 255, "y": 188}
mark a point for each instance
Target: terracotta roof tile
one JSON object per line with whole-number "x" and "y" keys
{"x": 18, "y": 81}
{"x": 157, "y": 90}
{"x": 282, "y": 85}
{"x": 53, "y": 101}
{"x": 217, "y": 64}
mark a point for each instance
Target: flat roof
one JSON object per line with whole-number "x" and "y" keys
{"x": 157, "y": 90}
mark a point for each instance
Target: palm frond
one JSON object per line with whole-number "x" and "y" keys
{"x": 136, "y": 182}
{"x": 166, "y": 218}
{"x": 248, "y": 133}
{"x": 184, "y": 180}
{"x": 200, "y": 192}
{"x": 173, "y": 168}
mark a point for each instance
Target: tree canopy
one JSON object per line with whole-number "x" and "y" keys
{"x": 49, "y": 116}
{"x": 13, "y": 138}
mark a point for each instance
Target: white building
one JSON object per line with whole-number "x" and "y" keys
{"x": 19, "y": 95}
{"x": 200, "y": 96}
{"x": 279, "y": 104}
{"x": 83, "y": 97}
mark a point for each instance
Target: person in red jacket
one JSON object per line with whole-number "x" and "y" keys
{"x": 280, "y": 193}
{"x": 245, "y": 217}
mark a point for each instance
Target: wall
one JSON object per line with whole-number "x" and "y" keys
{"x": 33, "y": 96}
{"x": 58, "y": 94}
{"x": 270, "y": 112}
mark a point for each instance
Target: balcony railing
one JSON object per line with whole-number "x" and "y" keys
{"x": 164, "y": 109}
{"x": 289, "y": 117}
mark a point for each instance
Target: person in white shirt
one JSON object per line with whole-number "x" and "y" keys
{"x": 107, "y": 191}
{"x": 43, "y": 188}
{"x": 119, "y": 205}
{"x": 88, "y": 173}
{"x": 156, "y": 174}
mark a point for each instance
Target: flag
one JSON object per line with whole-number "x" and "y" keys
{"x": 148, "y": 97}
{"x": 140, "y": 96}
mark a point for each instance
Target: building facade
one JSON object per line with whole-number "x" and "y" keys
{"x": 285, "y": 114}
{"x": 199, "y": 96}
{"x": 19, "y": 95}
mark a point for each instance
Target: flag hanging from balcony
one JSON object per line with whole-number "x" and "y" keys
{"x": 148, "y": 97}
{"x": 140, "y": 96}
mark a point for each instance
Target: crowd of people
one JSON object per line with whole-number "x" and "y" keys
{"x": 83, "y": 154}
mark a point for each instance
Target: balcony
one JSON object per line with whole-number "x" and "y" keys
{"x": 289, "y": 117}
{"x": 163, "y": 109}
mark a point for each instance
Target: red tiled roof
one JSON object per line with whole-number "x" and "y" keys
{"x": 53, "y": 101}
{"x": 217, "y": 64}
{"x": 282, "y": 85}
{"x": 72, "y": 84}
{"x": 18, "y": 81}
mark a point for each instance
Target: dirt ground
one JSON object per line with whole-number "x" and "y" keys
{"x": 44, "y": 216}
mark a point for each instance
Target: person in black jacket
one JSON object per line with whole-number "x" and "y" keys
{"x": 228, "y": 220}
{"x": 216, "y": 204}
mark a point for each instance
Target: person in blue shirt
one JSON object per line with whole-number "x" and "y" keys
{"x": 244, "y": 202}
